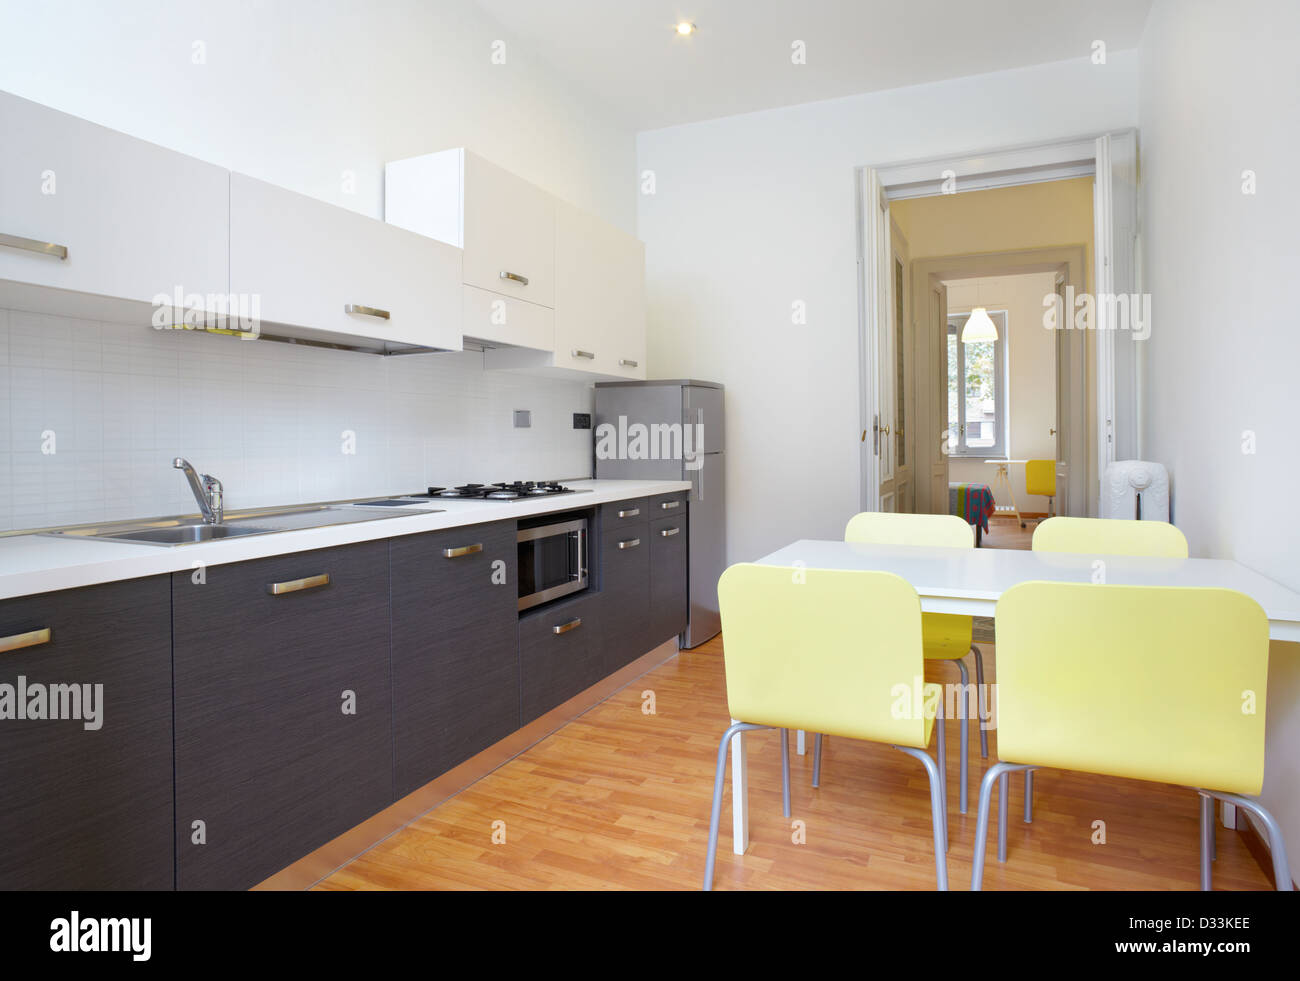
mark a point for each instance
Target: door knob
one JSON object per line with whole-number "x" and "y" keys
{"x": 1051, "y": 432}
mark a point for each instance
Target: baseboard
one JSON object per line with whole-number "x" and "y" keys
{"x": 314, "y": 867}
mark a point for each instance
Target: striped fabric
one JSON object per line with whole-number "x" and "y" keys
{"x": 972, "y": 502}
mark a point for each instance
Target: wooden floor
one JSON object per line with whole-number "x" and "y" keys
{"x": 619, "y": 799}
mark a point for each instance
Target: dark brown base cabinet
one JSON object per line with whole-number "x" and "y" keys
{"x": 90, "y": 808}
{"x": 560, "y": 652}
{"x": 283, "y": 709}
{"x": 669, "y": 606}
{"x": 455, "y": 656}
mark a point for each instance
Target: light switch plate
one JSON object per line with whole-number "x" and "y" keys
{"x": 523, "y": 419}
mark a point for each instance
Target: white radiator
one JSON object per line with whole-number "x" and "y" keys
{"x": 1135, "y": 489}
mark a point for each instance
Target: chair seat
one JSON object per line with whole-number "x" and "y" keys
{"x": 946, "y": 636}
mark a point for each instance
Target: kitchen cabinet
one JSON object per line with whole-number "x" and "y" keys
{"x": 136, "y": 220}
{"x": 505, "y": 224}
{"x": 89, "y": 808}
{"x": 625, "y": 595}
{"x": 669, "y": 608}
{"x": 335, "y": 272}
{"x": 497, "y": 319}
{"x": 559, "y": 653}
{"x": 283, "y": 709}
{"x": 454, "y": 655}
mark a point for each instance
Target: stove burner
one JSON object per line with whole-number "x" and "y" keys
{"x": 502, "y": 490}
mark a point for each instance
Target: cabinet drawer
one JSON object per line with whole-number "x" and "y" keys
{"x": 668, "y": 504}
{"x": 559, "y": 654}
{"x": 455, "y": 661}
{"x": 669, "y": 609}
{"x": 623, "y": 514}
{"x": 90, "y": 808}
{"x": 489, "y": 316}
{"x": 283, "y": 709}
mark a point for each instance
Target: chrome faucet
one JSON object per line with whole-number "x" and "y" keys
{"x": 207, "y": 491}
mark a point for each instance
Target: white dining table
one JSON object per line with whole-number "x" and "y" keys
{"x": 970, "y": 581}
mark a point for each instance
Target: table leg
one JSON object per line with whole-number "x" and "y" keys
{"x": 739, "y": 795}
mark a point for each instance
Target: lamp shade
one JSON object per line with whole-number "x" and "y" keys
{"x": 979, "y": 327}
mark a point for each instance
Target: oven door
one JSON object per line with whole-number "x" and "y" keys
{"x": 552, "y": 561}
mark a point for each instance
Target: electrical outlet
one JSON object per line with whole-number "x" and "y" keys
{"x": 582, "y": 420}
{"x": 523, "y": 419}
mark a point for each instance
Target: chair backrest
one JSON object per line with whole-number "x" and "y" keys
{"x": 1110, "y": 536}
{"x": 825, "y": 650}
{"x": 1040, "y": 477}
{"x": 882, "y": 528}
{"x": 1150, "y": 682}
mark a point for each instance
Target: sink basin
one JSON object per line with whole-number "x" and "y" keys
{"x": 186, "y": 534}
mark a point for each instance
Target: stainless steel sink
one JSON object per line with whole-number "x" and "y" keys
{"x": 185, "y": 534}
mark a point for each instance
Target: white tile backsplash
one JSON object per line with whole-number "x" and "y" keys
{"x": 269, "y": 420}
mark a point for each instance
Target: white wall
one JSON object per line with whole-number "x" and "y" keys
{"x": 1220, "y": 94}
{"x": 296, "y": 92}
{"x": 1031, "y": 375}
{"x": 753, "y": 213}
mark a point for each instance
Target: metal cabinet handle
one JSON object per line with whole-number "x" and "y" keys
{"x": 297, "y": 585}
{"x": 455, "y": 553}
{"x": 629, "y": 513}
{"x": 514, "y": 278}
{"x": 564, "y": 628}
{"x": 628, "y": 363}
{"x": 669, "y": 505}
{"x": 669, "y": 532}
{"x": 366, "y": 311}
{"x": 16, "y": 642}
{"x": 31, "y": 245}
{"x": 630, "y": 543}
{"x": 583, "y": 354}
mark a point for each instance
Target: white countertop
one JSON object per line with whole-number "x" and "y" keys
{"x": 970, "y": 580}
{"x": 41, "y": 563}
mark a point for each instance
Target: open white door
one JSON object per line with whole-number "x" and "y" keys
{"x": 873, "y": 274}
{"x": 935, "y": 325}
{"x": 1118, "y": 309}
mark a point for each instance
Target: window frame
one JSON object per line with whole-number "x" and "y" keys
{"x": 1000, "y": 448}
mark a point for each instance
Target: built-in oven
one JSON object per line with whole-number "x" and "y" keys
{"x": 552, "y": 561}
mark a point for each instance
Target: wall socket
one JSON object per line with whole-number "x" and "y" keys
{"x": 523, "y": 419}
{"x": 582, "y": 420}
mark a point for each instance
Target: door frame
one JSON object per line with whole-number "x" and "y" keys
{"x": 980, "y": 170}
{"x": 1072, "y": 262}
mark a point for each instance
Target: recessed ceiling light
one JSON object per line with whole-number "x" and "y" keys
{"x": 685, "y": 27}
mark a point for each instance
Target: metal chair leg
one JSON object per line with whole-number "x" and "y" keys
{"x": 942, "y": 754}
{"x": 979, "y": 700}
{"x": 938, "y": 813}
{"x": 785, "y": 771}
{"x": 723, "y": 745}
{"x": 817, "y": 760}
{"x": 1003, "y": 787}
{"x": 1276, "y": 844}
{"x": 1029, "y": 797}
{"x": 997, "y": 773}
{"x": 1207, "y": 837}
{"x": 963, "y": 720}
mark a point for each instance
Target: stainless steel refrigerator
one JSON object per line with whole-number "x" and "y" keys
{"x": 689, "y": 405}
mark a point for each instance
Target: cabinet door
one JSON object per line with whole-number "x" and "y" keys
{"x": 308, "y": 262}
{"x": 136, "y": 220}
{"x": 599, "y": 296}
{"x": 668, "y": 596}
{"x": 283, "y": 709}
{"x": 455, "y": 661}
{"x": 509, "y": 233}
{"x": 625, "y": 589}
{"x": 89, "y": 808}
{"x": 505, "y": 320}
{"x": 559, "y": 653}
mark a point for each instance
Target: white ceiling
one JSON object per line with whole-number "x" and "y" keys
{"x": 627, "y": 54}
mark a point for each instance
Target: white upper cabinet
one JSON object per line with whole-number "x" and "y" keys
{"x": 136, "y": 220}
{"x": 599, "y": 296}
{"x": 317, "y": 266}
{"x": 505, "y": 225}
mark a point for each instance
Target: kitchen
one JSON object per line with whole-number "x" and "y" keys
{"x": 378, "y": 428}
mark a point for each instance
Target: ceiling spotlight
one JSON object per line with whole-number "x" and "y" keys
{"x": 685, "y": 27}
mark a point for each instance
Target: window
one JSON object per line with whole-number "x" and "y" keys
{"x": 977, "y": 421}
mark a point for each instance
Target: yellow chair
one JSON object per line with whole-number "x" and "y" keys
{"x": 1040, "y": 480}
{"x": 1109, "y": 536}
{"x": 945, "y": 636}
{"x": 1156, "y": 683}
{"x": 835, "y": 651}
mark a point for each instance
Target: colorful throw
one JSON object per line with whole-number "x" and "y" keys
{"x": 973, "y": 502}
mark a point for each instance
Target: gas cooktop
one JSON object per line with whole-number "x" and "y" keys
{"x": 515, "y": 490}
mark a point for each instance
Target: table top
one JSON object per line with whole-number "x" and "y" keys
{"x": 970, "y": 580}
